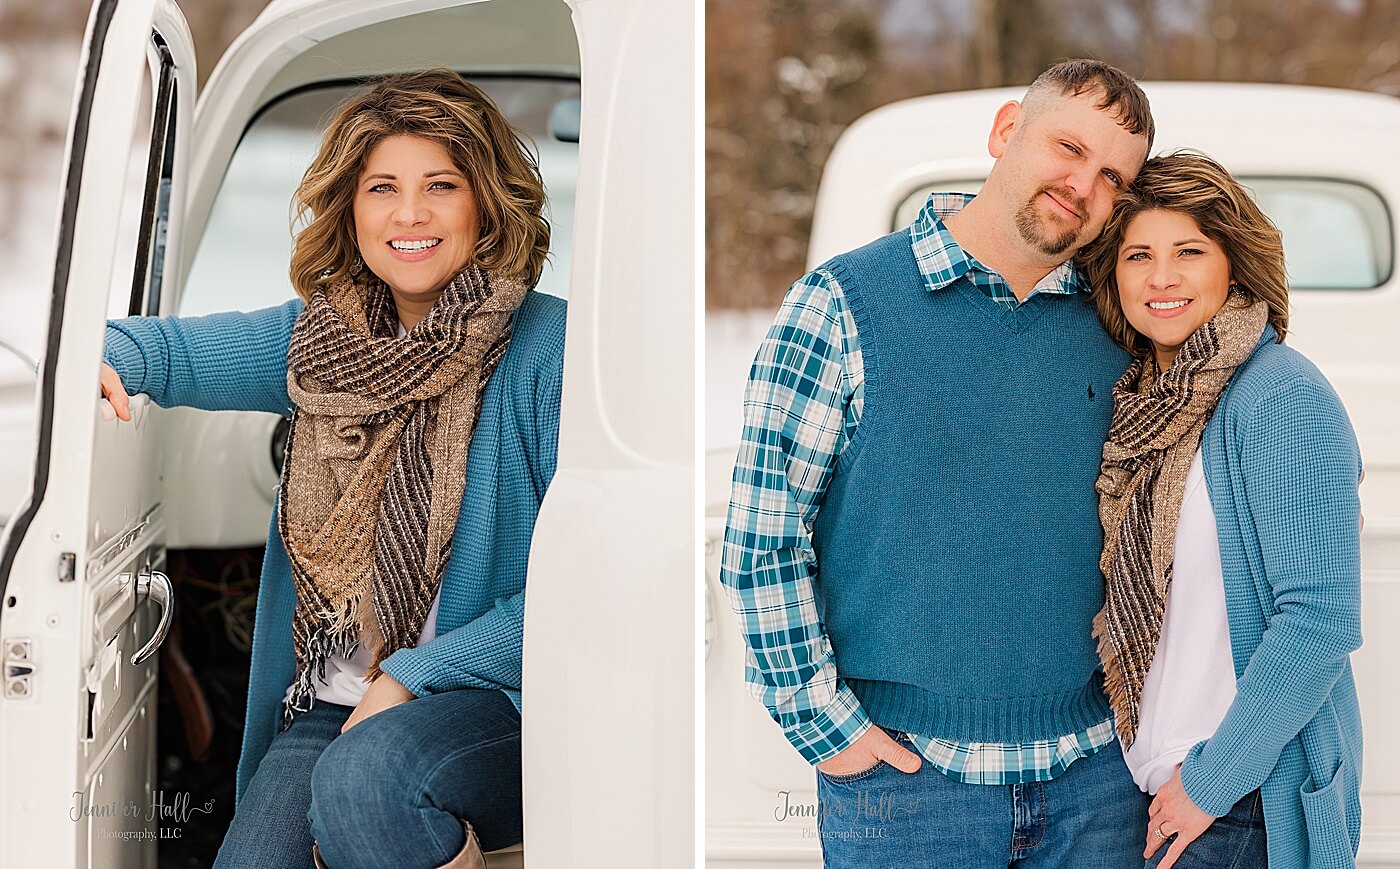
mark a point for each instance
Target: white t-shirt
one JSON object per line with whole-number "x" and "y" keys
{"x": 1191, "y": 683}
{"x": 345, "y": 677}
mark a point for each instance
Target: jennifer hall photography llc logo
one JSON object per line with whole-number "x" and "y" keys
{"x": 862, "y": 814}
{"x": 168, "y": 814}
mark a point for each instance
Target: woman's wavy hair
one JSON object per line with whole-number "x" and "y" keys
{"x": 439, "y": 105}
{"x": 1190, "y": 183}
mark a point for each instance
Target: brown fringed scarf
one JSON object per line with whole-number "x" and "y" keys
{"x": 1156, "y": 428}
{"x": 376, "y": 459}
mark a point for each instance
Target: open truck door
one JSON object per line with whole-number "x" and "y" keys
{"x": 85, "y": 604}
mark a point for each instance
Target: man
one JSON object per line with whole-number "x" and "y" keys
{"x": 913, "y": 538}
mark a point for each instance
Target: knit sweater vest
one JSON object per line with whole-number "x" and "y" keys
{"x": 958, "y": 542}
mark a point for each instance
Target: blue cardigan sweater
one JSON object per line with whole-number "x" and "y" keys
{"x": 237, "y": 361}
{"x": 1282, "y": 468}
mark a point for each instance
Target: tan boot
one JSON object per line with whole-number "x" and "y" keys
{"x": 470, "y": 857}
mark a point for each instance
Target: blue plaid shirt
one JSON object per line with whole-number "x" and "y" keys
{"x": 802, "y": 405}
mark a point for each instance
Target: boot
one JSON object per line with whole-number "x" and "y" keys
{"x": 470, "y": 857}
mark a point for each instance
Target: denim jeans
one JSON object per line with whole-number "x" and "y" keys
{"x": 1235, "y": 841}
{"x": 387, "y": 793}
{"x": 1092, "y": 816}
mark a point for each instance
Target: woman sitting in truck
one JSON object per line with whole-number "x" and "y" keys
{"x": 422, "y": 377}
{"x": 1228, "y": 496}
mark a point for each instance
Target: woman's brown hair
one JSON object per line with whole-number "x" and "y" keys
{"x": 1190, "y": 183}
{"x": 438, "y": 105}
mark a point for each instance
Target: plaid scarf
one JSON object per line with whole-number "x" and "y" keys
{"x": 376, "y": 459}
{"x": 1156, "y": 428}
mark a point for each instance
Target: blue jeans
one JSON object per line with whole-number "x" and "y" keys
{"x": 387, "y": 793}
{"x": 1092, "y": 816}
{"x": 1234, "y": 841}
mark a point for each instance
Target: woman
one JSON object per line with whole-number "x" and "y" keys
{"x": 424, "y": 382}
{"x": 1228, "y": 496}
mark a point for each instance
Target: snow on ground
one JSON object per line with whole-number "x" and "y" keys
{"x": 731, "y": 339}
{"x": 27, "y": 277}
{"x": 27, "y": 245}
{"x": 27, "y": 248}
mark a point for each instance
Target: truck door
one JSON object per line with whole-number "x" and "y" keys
{"x": 84, "y": 603}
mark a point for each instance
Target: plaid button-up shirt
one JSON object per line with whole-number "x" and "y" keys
{"x": 802, "y": 405}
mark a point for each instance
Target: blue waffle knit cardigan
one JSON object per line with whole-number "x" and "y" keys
{"x": 1282, "y": 468}
{"x": 237, "y": 361}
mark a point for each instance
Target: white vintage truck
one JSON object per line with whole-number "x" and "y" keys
{"x": 1321, "y": 163}
{"x": 176, "y": 202}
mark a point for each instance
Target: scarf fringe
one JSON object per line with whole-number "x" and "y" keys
{"x": 320, "y": 645}
{"x": 1114, "y": 683}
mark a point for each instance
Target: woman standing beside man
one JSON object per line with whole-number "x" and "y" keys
{"x": 1228, "y": 496}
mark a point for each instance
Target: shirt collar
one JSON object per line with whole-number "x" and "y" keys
{"x": 942, "y": 260}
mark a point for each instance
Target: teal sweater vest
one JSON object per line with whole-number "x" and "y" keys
{"x": 958, "y": 542}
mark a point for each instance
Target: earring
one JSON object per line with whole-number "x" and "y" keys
{"x": 1236, "y": 289}
{"x": 356, "y": 266}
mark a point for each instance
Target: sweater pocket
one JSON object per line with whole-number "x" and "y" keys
{"x": 1325, "y": 813}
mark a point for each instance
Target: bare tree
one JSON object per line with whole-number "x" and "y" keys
{"x": 769, "y": 134}
{"x": 30, "y": 100}
{"x": 771, "y": 126}
{"x": 1149, "y": 38}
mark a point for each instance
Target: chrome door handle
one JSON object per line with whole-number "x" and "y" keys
{"x": 155, "y": 586}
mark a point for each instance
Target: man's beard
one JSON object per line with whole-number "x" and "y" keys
{"x": 1032, "y": 227}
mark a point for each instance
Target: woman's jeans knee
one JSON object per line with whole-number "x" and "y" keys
{"x": 390, "y": 791}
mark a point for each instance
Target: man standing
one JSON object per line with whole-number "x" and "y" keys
{"x": 913, "y": 537}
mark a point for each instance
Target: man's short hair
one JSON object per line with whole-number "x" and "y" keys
{"x": 1120, "y": 92}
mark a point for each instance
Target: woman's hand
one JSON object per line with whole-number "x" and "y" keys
{"x": 1172, "y": 812}
{"x": 114, "y": 397}
{"x": 384, "y": 693}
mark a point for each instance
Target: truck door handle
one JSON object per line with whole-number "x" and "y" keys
{"x": 155, "y": 586}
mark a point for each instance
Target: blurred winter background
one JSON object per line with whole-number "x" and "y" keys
{"x": 40, "y": 47}
{"x": 784, "y": 78}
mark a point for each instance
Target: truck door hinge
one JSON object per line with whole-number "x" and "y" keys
{"x": 19, "y": 669}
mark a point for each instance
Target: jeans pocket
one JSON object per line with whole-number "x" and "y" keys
{"x": 897, "y": 736}
{"x": 1325, "y": 815}
{"x": 852, "y": 776}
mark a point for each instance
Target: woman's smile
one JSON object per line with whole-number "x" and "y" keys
{"x": 412, "y": 249}
{"x": 1169, "y": 307}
